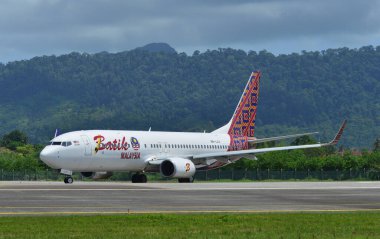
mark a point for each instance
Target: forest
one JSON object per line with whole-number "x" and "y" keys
{"x": 139, "y": 89}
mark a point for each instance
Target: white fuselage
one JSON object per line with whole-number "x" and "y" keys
{"x": 111, "y": 150}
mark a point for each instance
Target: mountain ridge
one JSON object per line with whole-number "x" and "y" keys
{"x": 311, "y": 91}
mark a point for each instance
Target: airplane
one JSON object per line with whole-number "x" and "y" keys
{"x": 99, "y": 153}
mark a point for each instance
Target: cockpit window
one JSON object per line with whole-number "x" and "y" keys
{"x": 66, "y": 144}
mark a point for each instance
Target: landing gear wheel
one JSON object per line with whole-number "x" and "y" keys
{"x": 68, "y": 180}
{"x": 143, "y": 178}
{"x": 186, "y": 180}
{"x": 139, "y": 178}
{"x": 134, "y": 178}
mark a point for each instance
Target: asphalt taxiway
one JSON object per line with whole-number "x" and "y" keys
{"x": 42, "y": 198}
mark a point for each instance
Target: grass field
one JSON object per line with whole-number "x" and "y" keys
{"x": 265, "y": 225}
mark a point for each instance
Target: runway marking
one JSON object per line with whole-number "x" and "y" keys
{"x": 174, "y": 206}
{"x": 189, "y": 212}
{"x": 177, "y": 189}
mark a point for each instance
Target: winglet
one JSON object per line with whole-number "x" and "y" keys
{"x": 339, "y": 134}
{"x": 57, "y": 132}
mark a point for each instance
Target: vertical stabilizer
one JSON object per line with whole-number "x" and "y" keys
{"x": 243, "y": 119}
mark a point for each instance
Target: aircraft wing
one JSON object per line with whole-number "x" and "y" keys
{"x": 256, "y": 141}
{"x": 264, "y": 150}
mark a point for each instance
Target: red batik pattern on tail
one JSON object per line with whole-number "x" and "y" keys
{"x": 243, "y": 122}
{"x": 238, "y": 142}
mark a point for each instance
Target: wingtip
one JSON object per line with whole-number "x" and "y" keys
{"x": 339, "y": 134}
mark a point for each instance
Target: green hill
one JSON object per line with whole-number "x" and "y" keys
{"x": 169, "y": 91}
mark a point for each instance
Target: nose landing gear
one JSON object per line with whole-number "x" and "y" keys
{"x": 68, "y": 180}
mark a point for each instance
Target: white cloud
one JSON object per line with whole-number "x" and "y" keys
{"x": 37, "y": 27}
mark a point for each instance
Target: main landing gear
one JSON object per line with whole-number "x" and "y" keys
{"x": 68, "y": 180}
{"x": 186, "y": 180}
{"x": 139, "y": 178}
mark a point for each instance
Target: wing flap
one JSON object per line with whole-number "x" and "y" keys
{"x": 256, "y": 141}
{"x": 255, "y": 151}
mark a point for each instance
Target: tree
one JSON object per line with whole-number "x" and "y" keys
{"x": 14, "y": 139}
{"x": 306, "y": 139}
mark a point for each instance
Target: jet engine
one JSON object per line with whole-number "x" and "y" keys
{"x": 177, "y": 168}
{"x": 97, "y": 175}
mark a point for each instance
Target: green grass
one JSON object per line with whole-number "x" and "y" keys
{"x": 265, "y": 225}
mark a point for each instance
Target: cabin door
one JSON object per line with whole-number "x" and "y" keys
{"x": 87, "y": 145}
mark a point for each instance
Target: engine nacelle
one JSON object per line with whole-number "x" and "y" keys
{"x": 177, "y": 168}
{"x": 97, "y": 175}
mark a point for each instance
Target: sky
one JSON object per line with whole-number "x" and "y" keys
{"x": 30, "y": 28}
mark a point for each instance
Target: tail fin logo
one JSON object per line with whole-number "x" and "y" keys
{"x": 243, "y": 121}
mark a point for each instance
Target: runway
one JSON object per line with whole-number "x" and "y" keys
{"x": 44, "y": 198}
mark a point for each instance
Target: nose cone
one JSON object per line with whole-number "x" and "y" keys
{"x": 46, "y": 154}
